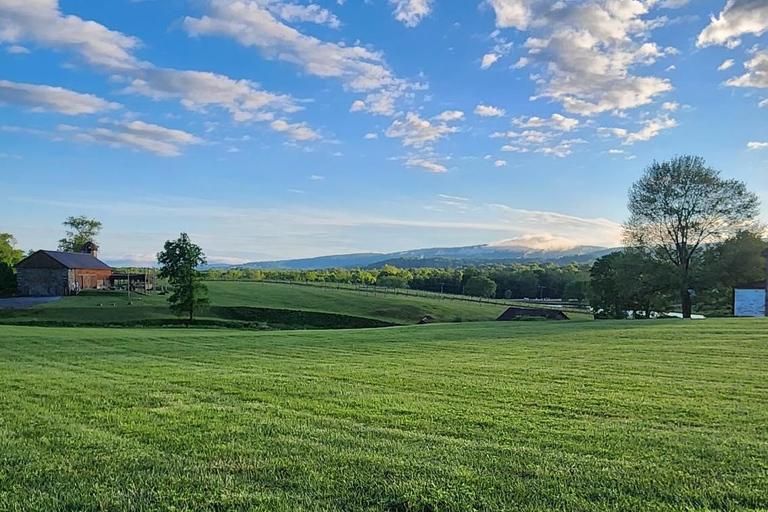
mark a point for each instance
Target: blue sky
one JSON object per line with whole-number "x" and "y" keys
{"x": 288, "y": 128}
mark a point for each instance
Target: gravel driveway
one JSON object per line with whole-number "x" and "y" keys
{"x": 25, "y": 302}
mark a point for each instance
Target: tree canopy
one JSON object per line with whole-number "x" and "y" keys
{"x": 179, "y": 261}
{"x": 80, "y": 230}
{"x": 680, "y": 205}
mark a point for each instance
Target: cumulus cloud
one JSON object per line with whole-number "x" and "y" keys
{"x": 556, "y": 121}
{"x": 588, "y": 51}
{"x": 450, "y": 115}
{"x": 489, "y": 111}
{"x": 359, "y": 69}
{"x": 489, "y": 59}
{"x": 296, "y": 131}
{"x": 728, "y": 64}
{"x": 371, "y": 136}
{"x": 138, "y": 135}
{"x": 512, "y": 13}
{"x": 411, "y": 12}
{"x": 757, "y": 145}
{"x": 756, "y": 75}
{"x": 739, "y": 17}
{"x": 651, "y": 128}
{"x": 197, "y": 90}
{"x": 427, "y": 165}
{"x": 311, "y": 13}
{"x": 41, "y": 22}
{"x": 44, "y": 98}
{"x": 500, "y": 163}
{"x": 418, "y": 132}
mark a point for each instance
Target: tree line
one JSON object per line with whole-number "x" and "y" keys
{"x": 511, "y": 281}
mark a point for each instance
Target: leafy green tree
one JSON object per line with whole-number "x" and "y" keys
{"x": 576, "y": 290}
{"x": 630, "y": 281}
{"x": 8, "y": 252}
{"x": 80, "y": 230}
{"x": 680, "y": 205}
{"x": 733, "y": 262}
{"x": 178, "y": 264}
{"x": 480, "y": 286}
{"x": 9, "y": 256}
{"x": 392, "y": 282}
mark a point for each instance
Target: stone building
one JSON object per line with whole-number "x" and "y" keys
{"x": 54, "y": 273}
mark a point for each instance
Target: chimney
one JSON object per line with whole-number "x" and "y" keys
{"x": 91, "y": 248}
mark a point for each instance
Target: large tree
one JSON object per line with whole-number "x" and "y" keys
{"x": 9, "y": 254}
{"x": 179, "y": 261}
{"x": 80, "y": 230}
{"x": 681, "y": 205}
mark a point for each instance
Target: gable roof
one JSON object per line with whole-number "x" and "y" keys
{"x": 70, "y": 260}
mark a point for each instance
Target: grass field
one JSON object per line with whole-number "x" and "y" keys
{"x": 664, "y": 415}
{"x": 112, "y": 307}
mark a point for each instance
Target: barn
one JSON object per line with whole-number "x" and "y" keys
{"x": 54, "y": 273}
{"x": 749, "y": 300}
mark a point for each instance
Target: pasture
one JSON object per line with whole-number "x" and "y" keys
{"x": 665, "y": 415}
{"x": 270, "y": 303}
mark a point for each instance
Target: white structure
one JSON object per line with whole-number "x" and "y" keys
{"x": 749, "y": 300}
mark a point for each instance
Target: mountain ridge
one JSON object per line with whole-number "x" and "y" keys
{"x": 485, "y": 253}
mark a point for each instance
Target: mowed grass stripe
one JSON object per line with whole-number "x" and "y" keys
{"x": 442, "y": 418}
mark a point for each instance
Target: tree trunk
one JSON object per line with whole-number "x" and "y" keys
{"x": 191, "y": 314}
{"x": 685, "y": 299}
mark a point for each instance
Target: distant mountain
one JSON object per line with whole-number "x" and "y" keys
{"x": 441, "y": 257}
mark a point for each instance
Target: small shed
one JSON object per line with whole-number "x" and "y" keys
{"x": 54, "y": 273}
{"x": 516, "y": 313}
{"x": 749, "y": 300}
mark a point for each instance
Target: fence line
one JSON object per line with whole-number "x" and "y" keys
{"x": 407, "y": 292}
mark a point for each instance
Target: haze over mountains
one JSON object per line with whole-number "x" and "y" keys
{"x": 443, "y": 257}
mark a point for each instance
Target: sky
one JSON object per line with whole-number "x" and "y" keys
{"x": 271, "y": 129}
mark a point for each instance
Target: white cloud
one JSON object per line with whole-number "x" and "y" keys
{"x": 651, "y": 128}
{"x": 739, "y": 17}
{"x": 311, "y": 13}
{"x": 670, "y": 105}
{"x": 450, "y": 115}
{"x": 489, "y": 59}
{"x": 588, "y": 52}
{"x": 556, "y": 121}
{"x": 763, "y": 103}
{"x": 427, "y": 165}
{"x": 252, "y": 25}
{"x": 315, "y": 177}
{"x": 140, "y": 136}
{"x": 512, "y": 13}
{"x": 411, "y": 12}
{"x": 296, "y": 131}
{"x": 41, "y": 22}
{"x": 44, "y": 98}
{"x": 500, "y": 163}
{"x": 516, "y": 149}
{"x": 757, "y": 73}
{"x": 371, "y": 136}
{"x": 418, "y": 132}
{"x": 17, "y": 50}
{"x": 197, "y": 90}
{"x": 757, "y": 145}
{"x": 728, "y": 64}
{"x": 489, "y": 111}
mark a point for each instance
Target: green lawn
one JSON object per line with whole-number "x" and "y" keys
{"x": 113, "y": 307}
{"x": 665, "y": 415}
